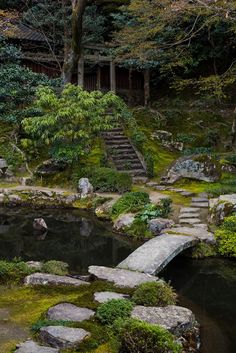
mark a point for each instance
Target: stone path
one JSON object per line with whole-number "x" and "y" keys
{"x": 103, "y": 297}
{"x": 193, "y": 215}
{"x": 32, "y": 347}
{"x": 121, "y": 277}
{"x": 69, "y": 312}
{"x": 48, "y": 279}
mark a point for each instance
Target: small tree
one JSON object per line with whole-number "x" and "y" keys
{"x": 69, "y": 122}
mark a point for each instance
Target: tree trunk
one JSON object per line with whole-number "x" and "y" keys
{"x": 233, "y": 130}
{"x": 73, "y": 41}
{"x": 146, "y": 87}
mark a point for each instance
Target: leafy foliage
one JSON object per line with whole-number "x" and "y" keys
{"x": 151, "y": 211}
{"x": 106, "y": 179}
{"x": 130, "y": 202}
{"x": 139, "y": 230}
{"x": 114, "y": 309}
{"x": 226, "y": 237}
{"x": 154, "y": 294}
{"x": 13, "y": 272}
{"x": 139, "y": 336}
{"x": 68, "y": 123}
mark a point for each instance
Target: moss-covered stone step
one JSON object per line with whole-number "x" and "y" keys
{"x": 32, "y": 347}
{"x": 69, "y": 312}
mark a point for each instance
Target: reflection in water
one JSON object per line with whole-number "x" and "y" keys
{"x": 208, "y": 288}
{"x": 73, "y": 236}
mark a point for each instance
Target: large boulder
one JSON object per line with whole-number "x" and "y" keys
{"x": 85, "y": 188}
{"x": 54, "y": 280}
{"x": 39, "y": 224}
{"x": 3, "y": 166}
{"x": 104, "y": 211}
{"x": 200, "y": 167}
{"x": 222, "y": 207}
{"x": 123, "y": 221}
{"x": 156, "y": 225}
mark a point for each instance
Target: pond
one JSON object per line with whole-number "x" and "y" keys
{"x": 75, "y": 237}
{"x": 208, "y": 288}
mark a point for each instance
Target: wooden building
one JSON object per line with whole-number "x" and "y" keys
{"x": 96, "y": 70}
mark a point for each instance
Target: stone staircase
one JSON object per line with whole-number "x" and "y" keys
{"x": 123, "y": 154}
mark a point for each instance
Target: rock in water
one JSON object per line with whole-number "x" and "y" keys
{"x": 63, "y": 337}
{"x": 40, "y": 224}
{"x": 123, "y": 221}
{"x": 85, "y": 188}
{"x": 3, "y": 166}
{"x": 32, "y": 347}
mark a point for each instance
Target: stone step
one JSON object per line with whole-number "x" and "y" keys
{"x": 189, "y": 215}
{"x": 121, "y": 277}
{"x": 128, "y": 165}
{"x": 126, "y": 158}
{"x": 63, "y": 337}
{"x": 103, "y": 297}
{"x": 200, "y": 204}
{"x": 136, "y": 172}
{"x": 113, "y": 142}
{"x": 189, "y": 209}
{"x": 189, "y": 221}
{"x": 200, "y": 199}
{"x": 115, "y": 137}
{"x": 193, "y": 232}
{"x": 125, "y": 146}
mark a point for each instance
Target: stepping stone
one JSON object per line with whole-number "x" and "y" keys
{"x": 189, "y": 209}
{"x": 103, "y": 297}
{"x": 200, "y": 204}
{"x": 187, "y": 193}
{"x": 189, "y": 221}
{"x": 201, "y": 225}
{"x": 69, "y": 312}
{"x": 32, "y": 347}
{"x": 189, "y": 215}
{"x": 200, "y": 199}
{"x": 175, "y": 319}
{"x": 48, "y": 279}
{"x": 63, "y": 337}
{"x": 121, "y": 277}
{"x": 196, "y": 232}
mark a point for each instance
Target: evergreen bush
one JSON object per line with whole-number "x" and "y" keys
{"x": 141, "y": 337}
{"x": 59, "y": 268}
{"x": 13, "y": 272}
{"x": 226, "y": 237}
{"x": 130, "y": 202}
{"x": 114, "y": 309}
{"x": 154, "y": 294}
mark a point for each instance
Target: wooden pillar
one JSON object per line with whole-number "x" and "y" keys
{"x": 130, "y": 85}
{"x": 81, "y": 72}
{"x": 146, "y": 86}
{"x": 99, "y": 78}
{"x": 112, "y": 76}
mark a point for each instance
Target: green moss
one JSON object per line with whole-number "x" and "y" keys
{"x": 202, "y": 250}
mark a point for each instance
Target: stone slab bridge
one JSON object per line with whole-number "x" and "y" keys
{"x": 154, "y": 255}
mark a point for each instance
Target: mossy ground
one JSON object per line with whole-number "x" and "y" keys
{"x": 27, "y": 305}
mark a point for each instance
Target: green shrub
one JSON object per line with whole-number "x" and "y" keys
{"x": 154, "y": 294}
{"x": 105, "y": 179}
{"x": 139, "y": 230}
{"x": 226, "y": 237}
{"x": 149, "y": 160}
{"x": 202, "y": 250}
{"x": 55, "y": 267}
{"x": 231, "y": 159}
{"x": 130, "y": 202}
{"x": 151, "y": 211}
{"x": 185, "y": 138}
{"x": 141, "y": 337}
{"x": 114, "y": 309}
{"x": 138, "y": 138}
{"x": 13, "y": 272}
{"x": 197, "y": 150}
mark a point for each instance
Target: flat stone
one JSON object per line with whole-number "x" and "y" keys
{"x": 187, "y": 193}
{"x": 55, "y": 280}
{"x": 200, "y": 199}
{"x": 189, "y": 215}
{"x": 189, "y": 209}
{"x": 156, "y": 225}
{"x": 201, "y": 225}
{"x": 32, "y": 347}
{"x": 175, "y": 319}
{"x": 69, "y": 312}
{"x": 189, "y": 221}
{"x": 62, "y": 337}
{"x": 200, "y": 204}
{"x": 35, "y": 265}
{"x": 123, "y": 221}
{"x": 195, "y": 232}
{"x": 121, "y": 277}
{"x": 103, "y": 297}
{"x": 156, "y": 253}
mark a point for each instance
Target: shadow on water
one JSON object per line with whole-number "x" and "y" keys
{"x": 75, "y": 237}
{"x": 208, "y": 288}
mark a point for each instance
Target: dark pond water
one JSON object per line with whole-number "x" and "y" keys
{"x": 75, "y": 237}
{"x": 208, "y": 287}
